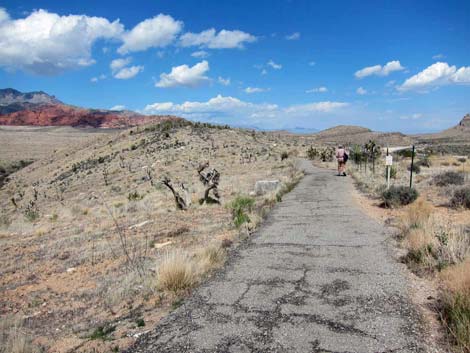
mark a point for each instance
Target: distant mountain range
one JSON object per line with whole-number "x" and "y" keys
{"x": 41, "y": 109}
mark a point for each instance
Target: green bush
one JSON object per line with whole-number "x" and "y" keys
{"x": 415, "y": 168}
{"x": 461, "y": 197}
{"x": 240, "y": 207}
{"x": 406, "y": 153}
{"x": 312, "y": 153}
{"x": 425, "y": 162}
{"x": 135, "y": 196}
{"x": 284, "y": 155}
{"x": 399, "y": 196}
{"x": 393, "y": 172}
{"x": 456, "y": 310}
{"x": 449, "y": 178}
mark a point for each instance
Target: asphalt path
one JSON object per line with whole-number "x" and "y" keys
{"x": 318, "y": 276}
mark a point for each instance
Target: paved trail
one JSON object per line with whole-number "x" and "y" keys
{"x": 317, "y": 277}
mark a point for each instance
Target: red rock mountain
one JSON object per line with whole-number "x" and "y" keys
{"x": 41, "y": 109}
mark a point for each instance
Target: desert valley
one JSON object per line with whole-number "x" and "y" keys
{"x": 284, "y": 176}
{"x": 91, "y": 235}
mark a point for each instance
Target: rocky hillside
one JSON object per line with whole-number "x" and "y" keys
{"x": 83, "y": 230}
{"x": 41, "y": 109}
{"x": 351, "y": 135}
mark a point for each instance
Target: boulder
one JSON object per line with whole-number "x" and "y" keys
{"x": 265, "y": 186}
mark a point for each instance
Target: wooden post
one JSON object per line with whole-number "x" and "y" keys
{"x": 412, "y": 164}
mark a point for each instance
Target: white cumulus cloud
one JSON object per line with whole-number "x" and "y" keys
{"x": 321, "y": 89}
{"x": 222, "y": 40}
{"x": 293, "y": 36}
{"x": 224, "y": 81}
{"x": 46, "y": 43}
{"x": 118, "y": 107}
{"x": 437, "y": 74}
{"x": 200, "y": 54}
{"x": 128, "y": 72}
{"x": 117, "y": 64}
{"x": 158, "y": 31}
{"x": 250, "y": 90}
{"x": 380, "y": 70}
{"x": 274, "y": 65}
{"x": 324, "y": 107}
{"x": 184, "y": 75}
{"x": 361, "y": 91}
{"x": 414, "y": 116}
{"x": 224, "y": 109}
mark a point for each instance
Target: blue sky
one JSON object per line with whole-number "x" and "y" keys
{"x": 387, "y": 65}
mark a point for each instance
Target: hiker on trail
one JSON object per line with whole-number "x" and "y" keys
{"x": 342, "y": 158}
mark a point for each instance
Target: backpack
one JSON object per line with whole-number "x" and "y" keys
{"x": 345, "y": 157}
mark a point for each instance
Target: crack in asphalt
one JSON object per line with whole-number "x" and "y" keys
{"x": 316, "y": 277}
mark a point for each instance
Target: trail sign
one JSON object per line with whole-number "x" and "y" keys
{"x": 389, "y": 160}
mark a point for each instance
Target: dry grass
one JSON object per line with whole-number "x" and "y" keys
{"x": 456, "y": 303}
{"x": 210, "y": 257}
{"x": 415, "y": 215}
{"x": 435, "y": 236}
{"x": 177, "y": 272}
{"x": 84, "y": 269}
{"x": 13, "y": 338}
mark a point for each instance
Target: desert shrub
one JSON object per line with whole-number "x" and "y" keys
{"x": 449, "y": 178}
{"x": 406, "y": 153}
{"x": 102, "y": 332}
{"x": 456, "y": 303}
{"x": 357, "y": 154}
{"x": 312, "y": 153}
{"x": 461, "y": 197}
{"x": 421, "y": 247}
{"x": 415, "y": 168}
{"x": 445, "y": 164}
{"x": 416, "y": 215}
{"x": 176, "y": 272}
{"x": 393, "y": 172}
{"x": 399, "y": 196}
{"x": 425, "y": 162}
{"x": 284, "y": 155}
{"x": 240, "y": 207}
{"x": 135, "y": 196}
{"x": 462, "y": 159}
{"x": 210, "y": 257}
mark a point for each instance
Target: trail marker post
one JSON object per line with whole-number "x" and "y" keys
{"x": 412, "y": 164}
{"x": 388, "y": 163}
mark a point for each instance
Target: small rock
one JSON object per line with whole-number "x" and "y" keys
{"x": 71, "y": 269}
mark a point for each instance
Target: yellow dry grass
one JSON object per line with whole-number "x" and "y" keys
{"x": 177, "y": 272}
{"x": 13, "y": 338}
{"x": 456, "y": 303}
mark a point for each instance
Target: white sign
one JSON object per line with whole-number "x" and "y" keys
{"x": 388, "y": 160}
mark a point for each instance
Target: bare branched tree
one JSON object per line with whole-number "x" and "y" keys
{"x": 181, "y": 203}
{"x": 210, "y": 180}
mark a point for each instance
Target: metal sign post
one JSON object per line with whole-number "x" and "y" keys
{"x": 412, "y": 164}
{"x": 388, "y": 163}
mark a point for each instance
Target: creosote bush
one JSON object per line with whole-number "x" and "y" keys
{"x": 399, "y": 196}
{"x": 461, "y": 197}
{"x": 416, "y": 168}
{"x": 449, "y": 178}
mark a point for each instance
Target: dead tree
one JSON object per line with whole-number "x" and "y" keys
{"x": 210, "y": 180}
{"x": 180, "y": 202}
